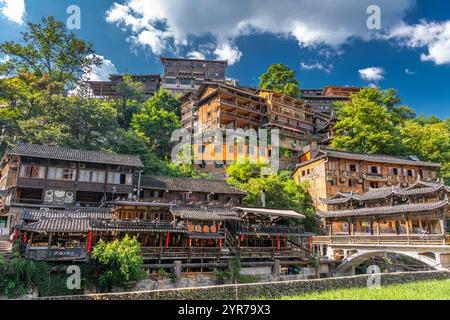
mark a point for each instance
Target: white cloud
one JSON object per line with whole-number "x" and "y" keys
{"x": 13, "y": 10}
{"x": 409, "y": 72}
{"x": 101, "y": 73}
{"x": 434, "y": 36}
{"x": 196, "y": 55}
{"x": 372, "y": 74}
{"x": 228, "y": 52}
{"x": 317, "y": 66}
{"x": 168, "y": 25}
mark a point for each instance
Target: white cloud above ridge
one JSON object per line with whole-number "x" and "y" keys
{"x": 372, "y": 74}
{"x": 13, "y": 10}
{"x": 166, "y": 25}
{"x": 434, "y": 36}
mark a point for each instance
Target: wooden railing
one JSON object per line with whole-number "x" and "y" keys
{"x": 272, "y": 229}
{"x": 413, "y": 239}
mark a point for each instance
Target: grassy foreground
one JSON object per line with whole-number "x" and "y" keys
{"x": 426, "y": 290}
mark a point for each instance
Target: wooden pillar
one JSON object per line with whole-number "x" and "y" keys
{"x": 408, "y": 232}
{"x": 443, "y": 225}
{"x": 50, "y": 237}
{"x": 278, "y": 242}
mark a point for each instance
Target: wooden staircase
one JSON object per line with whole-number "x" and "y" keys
{"x": 5, "y": 248}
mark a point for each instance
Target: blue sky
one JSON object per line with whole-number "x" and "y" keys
{"x": 325, "y": 42}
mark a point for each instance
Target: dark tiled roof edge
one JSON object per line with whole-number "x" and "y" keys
{"x": 68, "y": 154}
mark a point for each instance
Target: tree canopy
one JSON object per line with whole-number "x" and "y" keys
{"x": 280, "y": 190}
{"x": 374, "y": 121}
{"x": 281, "y": 78}
{"x": 47, "y": 48}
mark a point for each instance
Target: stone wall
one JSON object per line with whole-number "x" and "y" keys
{"x": 263, "y": 290}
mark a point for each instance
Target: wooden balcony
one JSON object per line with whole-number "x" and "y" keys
{"x": 272, "y": 230}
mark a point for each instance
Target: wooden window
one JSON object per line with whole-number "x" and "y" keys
{"x": 374, "y": 169}
{"x": 92, "y": 176}
{"x": 374, "y": 185}
{"x": 262, "y": 152}
{"x": 394, "y": 171}
{"x": 32, "y": 171}
{"x": 61, "y": 174}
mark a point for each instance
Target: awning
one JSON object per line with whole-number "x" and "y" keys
{"x": 272, "y": 212}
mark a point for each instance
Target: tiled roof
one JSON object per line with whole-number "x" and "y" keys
{"x": 189, "y": 184}
{"x": 57, "y": 225}
{"x": 324, "y": 152}
{"x": 399, "y": 209}
{"x": 382, "y": 193}
{"x": 35, "y": 215}
{"x": 48, "y": 152}
{"x": 204, "y": 213}
{"x": 133, "y": 226}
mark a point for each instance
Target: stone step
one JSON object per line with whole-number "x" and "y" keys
{"x": 5, "y": 246}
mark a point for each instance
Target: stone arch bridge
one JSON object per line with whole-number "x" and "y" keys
{"x": 349, "y": 256}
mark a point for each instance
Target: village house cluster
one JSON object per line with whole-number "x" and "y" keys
{"x": 60, "y": 202}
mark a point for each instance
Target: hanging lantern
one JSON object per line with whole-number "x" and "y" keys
{"x": 89, "y": 244}
{"x": 167, "y": 239}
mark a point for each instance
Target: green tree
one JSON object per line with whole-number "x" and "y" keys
{"x": 123, "y": 262}
{"x": 48, "y": 48}
{"x": 129, "y": 96}
{"x": 428, "y": 139}
{"x": 157, "y": 120}
{"x": 368, "y": 123}
{"x": 280, "y": 190}
{"x": 280, "y": 78}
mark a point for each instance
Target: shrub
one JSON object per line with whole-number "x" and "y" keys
{"x": 123, "y": 262}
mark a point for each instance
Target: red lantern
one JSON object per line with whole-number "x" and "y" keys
{"x": 89, "y": 244}
{"x": 190, "y": 242}
{"x": 220, "y": 243}
{"x": 167, "y": 239}
{"x": 310, "y": 243}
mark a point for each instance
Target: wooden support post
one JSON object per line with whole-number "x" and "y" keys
{"x": 443, "y": 225}
{"x": 278, "y": 242}
{"x": 408, "y": 232}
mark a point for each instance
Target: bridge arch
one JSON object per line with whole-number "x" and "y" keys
{"x": 362, "y": 256}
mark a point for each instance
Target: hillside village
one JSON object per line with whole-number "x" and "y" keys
{"x": 82, "y": 171}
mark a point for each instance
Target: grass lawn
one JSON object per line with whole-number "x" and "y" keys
{"x": 426, "y": 290}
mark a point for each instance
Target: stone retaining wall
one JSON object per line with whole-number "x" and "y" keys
{"x": 263, "y": 290}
